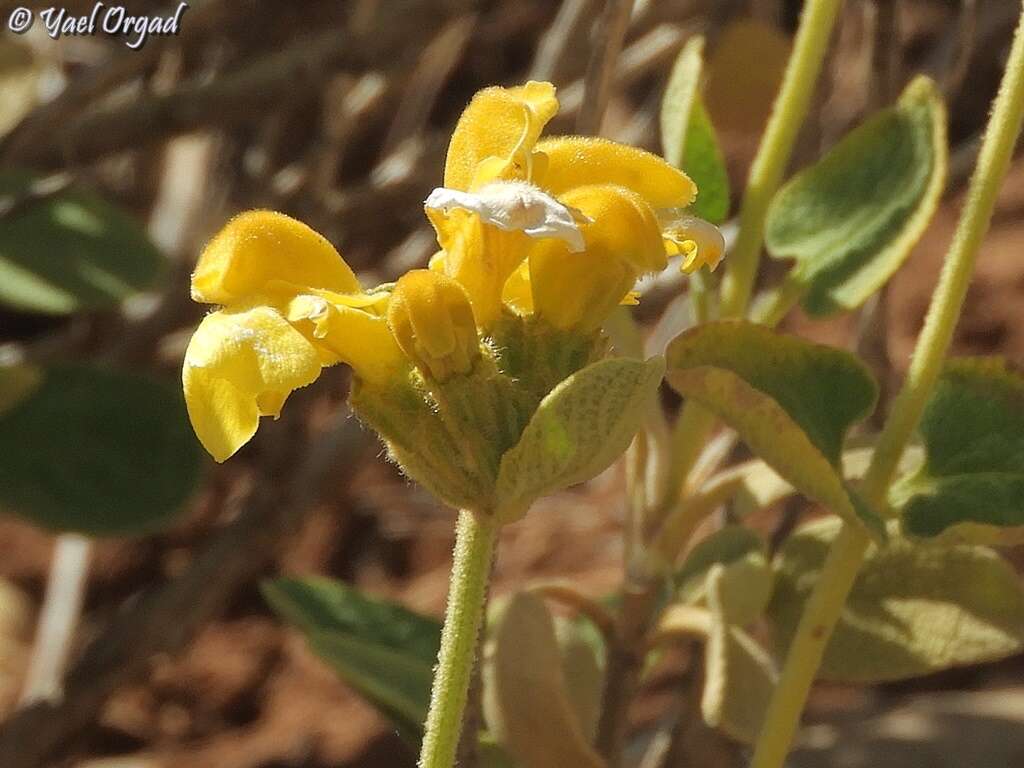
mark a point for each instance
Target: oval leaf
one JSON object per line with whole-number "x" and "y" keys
{"x": 68, "y": 250}
{"x": 688, "y": 137}
{"x": 740, "y": 675}
{"x": 384, "y": 651}
{"x": 851, "y": 219}
{"x": 96, "y": 451}
{"x": 577, "y": 431}
{"x": 973, "y": 435}
{"x": 790, "y": 400}
{"x": 914, "y": 609}
{"x": 526, "y": 703}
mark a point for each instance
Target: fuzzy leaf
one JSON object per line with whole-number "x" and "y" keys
{"x": 731, "y": 543}
{"x": 69, "y": 251}
{"x": 384, "y": 651}
{"x": 973, "y": 434}
{"x": 790, "y": 400}
{"x": 740, "y": 675}
{"x": 583, "y": 670}
{"x": 92, "y": 450}
{"x": 688, "y": 137}
{"x": 914, "y": 609}
{"x": 577, "y": 431}
{"x": 851, "y": 219}
{"x": 526, "y": 702}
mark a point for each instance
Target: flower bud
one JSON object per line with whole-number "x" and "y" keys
{"x": 432, "y": 321}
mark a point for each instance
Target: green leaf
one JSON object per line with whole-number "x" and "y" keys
{"x": 688, "y": 136}
{"x": 69, "y": 250}
{"x": 740, "y": 674}
{"x": 96, "y": 451}
{"x": 731, "y": 543}
{"x": 577, "y": 431}
{"x": 790, "y": 400}
{"x": 384, "y": 651}
{"x": 582, "y": 667}
{"x": 851, "y": 219}
{"x": 526, "y": 701}
{"x": 973, "y": 434}
{"x": 914, "y": 609}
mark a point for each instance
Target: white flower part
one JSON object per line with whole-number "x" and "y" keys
{"x": 515, "y": 206}
{"x": 682, "y": 228}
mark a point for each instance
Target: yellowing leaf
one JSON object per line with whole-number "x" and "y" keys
{"x": 579, "y": 428}
{"x": 525, "y": 700}
{"x": 914, "y": 609}
{"x": 744, "y": 72}
{"x": 790, "y": 400}
{"x": 740, "y": 675}
{"x": 851, "y": 219}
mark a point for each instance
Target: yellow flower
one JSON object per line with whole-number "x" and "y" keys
{"x": 511, "y": 198}
{"x": 290, "y": 305}
{"x": 433, "y": 323}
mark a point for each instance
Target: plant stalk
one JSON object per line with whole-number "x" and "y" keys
{"x": 475, "y": 539}
{"x": 840, "y": 570}
{"x": 765, "y": 177}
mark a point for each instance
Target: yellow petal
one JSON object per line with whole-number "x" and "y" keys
{"x": 495, "y": 135}
{"x": 574, "y": 161}
{"x": 224, "y": 418}
{"x": 433, "y": 323}
{"x": 346, "y": 333}
{"x": 517, "y": 292}
{"x": 258, "y": 248}
{"x": 240, "y": 365}
{"x": 698, "y": 241}
{"x": 623, "y": 241}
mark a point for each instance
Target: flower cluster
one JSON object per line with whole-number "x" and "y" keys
{"x": 539, "y": 239}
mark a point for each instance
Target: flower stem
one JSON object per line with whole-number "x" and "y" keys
{"x": 766, "y": 173}
{"x": 847, "y": 552}
{"x": 475, "y": 539}
{"x": 773, "y": 155}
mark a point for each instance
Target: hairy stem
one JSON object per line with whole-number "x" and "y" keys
{"x": 475, "y": 539}
{"x": 847, "y": 552}
{"x": 773, "y": 155}
{"x": 763, "y": 181}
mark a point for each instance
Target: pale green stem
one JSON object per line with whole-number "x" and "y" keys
{"x": 765, "y": 177}
{"x": 773, "y": 155}
{"x": 773, "y": 306}
{"x": 840, "y": 569}
{"x": 475, "y": 539}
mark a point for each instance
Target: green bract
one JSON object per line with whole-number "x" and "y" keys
{"x": 851, "y": 219}
{"x": 973, "y": 433}
{"x": 915, "y": 608}
{"x": 580, "y": 428}
{"x": 68, "y": 250}
{"x": 790, "y": 400}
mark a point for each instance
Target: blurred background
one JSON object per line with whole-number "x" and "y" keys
{"x": 117, "y": 164}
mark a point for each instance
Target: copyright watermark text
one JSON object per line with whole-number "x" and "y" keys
{"x": 104, "y": 18}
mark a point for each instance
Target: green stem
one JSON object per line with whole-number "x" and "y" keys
{"x": 475, "y": 540}
{"x": 840, "y": 570}
{"x": 773, "y": 155}
{"x": 766, "y": 172}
